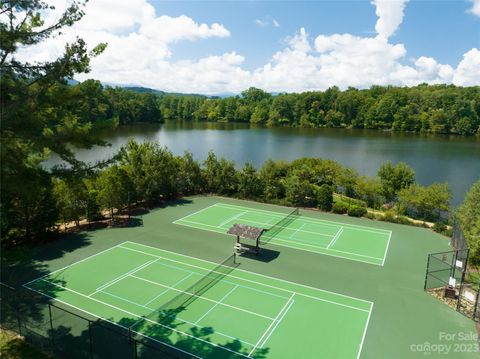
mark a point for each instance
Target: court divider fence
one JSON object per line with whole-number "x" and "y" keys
{"x": 64, "y": 334}
{"x": 445, "y": 278}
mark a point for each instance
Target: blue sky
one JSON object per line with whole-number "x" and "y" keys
{"x": 216, "y": 47}
{"x": 441, "y": 29}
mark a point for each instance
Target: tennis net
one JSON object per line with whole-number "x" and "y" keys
{"x": 280, "y": 225}
{"x": 177, "y": 304}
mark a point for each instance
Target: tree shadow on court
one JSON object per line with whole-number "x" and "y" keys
{"x": 197, "y": 340}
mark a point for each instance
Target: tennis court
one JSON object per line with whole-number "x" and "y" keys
{"x": 201, "y": 308}
{"x": 360, "y": 243}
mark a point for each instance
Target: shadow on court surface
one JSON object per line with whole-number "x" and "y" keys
{"x": 266, "y": 255}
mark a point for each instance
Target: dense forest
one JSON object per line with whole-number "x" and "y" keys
{"x": 424, "y": 108}
{"x": 42, "y": 114}
{"x": 442, "y": 109}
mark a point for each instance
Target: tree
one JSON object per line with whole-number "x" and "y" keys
{"x": 325, "y": 197}
{"x": 227, "y": 177}
{"x": 394, "y": 178}
{"x": 299, "y": 193}
{"x": 271, "y": 174}
{"x": 69, "y": 195}
{"x": 427, "y": 203}
{"x": 249, "y": 185}
{"x": 189, "y": 179}
{"x": 211, "y": 169}
{"x": 370, "y": 190}
{"x": 469, "y": 218}
{"x": 152, "y": 169}
{"x": 36, "y": 114}
{"x": 114, "y": 187}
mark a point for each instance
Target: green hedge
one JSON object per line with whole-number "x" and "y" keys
{"x": 357, "y": 211}
{"x": 339, "y": 208}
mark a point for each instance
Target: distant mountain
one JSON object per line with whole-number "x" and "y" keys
{"x": 159, "y": 92}
{"x": 144, "y": 89}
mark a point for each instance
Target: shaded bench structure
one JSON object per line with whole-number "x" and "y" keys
{"x": 246, "y": 232}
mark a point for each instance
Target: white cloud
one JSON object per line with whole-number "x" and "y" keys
{"x": 140, "y": 52}
{"x": 267, "y": 21}
{"x": 468, "y": 71}
{"x": 390, "y": 16}
{"x": 475, "y": 9}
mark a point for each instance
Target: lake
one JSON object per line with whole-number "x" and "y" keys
{"x": 435, "y": 158}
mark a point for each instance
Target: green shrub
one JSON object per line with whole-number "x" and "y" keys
{"x": 325, "y": 197}
{"x": 357, "y": 211}
{"x": 403, "y": 220}
{"x": 440, "y": 227}
{"x": 389, "y": 216}
{"x": 339, "y": 208}
{"x": 370, "y": 215}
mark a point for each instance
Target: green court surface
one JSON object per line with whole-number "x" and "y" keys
{"x": 349, "y": 241}
{"x": 245, "y": 314}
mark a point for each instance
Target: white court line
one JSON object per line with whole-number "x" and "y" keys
{"x": 251, "y": 221}
{"x": 271, "y": 324}
{"x": 119, "y": 278}
{"x": 276, "y": 324}
{"x": 365, "y": 332}
{"x": 334, "y": 239}
{"x": 274, "y": 241}
{"x": 201, "y": 297}
{"x": 311, "y": 219}
{"x": 219, "y": 302}
{"x": 165, "y": 291}
{"x": 80, "y": 261}
{"x": 306, "y": 295}
{"x": 144, "y": 318}
{"x": 245, "y": 271}
{"x": 299, "y": 228}
{"x": 212, "y": 263}
{"x": 223, "y": 280}
{"x": 191, "y": 214}
{"x": 107, "y": 320}
{"x": 176, "y": 317}
{"x": 386, "y": 249}
{"x": 232, "y": 218}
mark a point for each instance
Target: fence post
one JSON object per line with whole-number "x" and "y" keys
{"x": 426, "y": 273}
{"x": 90, "y": 338}
{"x": 477, "y": 304}
{"x": 51, "y": 327}
{"x": 19, "y": 321}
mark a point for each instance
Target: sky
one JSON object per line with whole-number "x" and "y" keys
{"x": 218, "y": 47}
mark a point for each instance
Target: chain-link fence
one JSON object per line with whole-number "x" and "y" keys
{"x": 64, "y": 334}
{"x": 459, "y": 241}
{"x": 445, "y": 279}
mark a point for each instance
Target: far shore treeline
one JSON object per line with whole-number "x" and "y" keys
{"x": 443, "y": 109}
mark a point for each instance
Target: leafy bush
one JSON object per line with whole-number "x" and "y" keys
{"x": 389, "y": 216}
{"x": 325, "y": 197}
{"x": 370, "y": 215}
{"x": 339, "y": 208}
{"x": 403, "y": 220}
{"x": 357, "y": 211}
{"x": 440, "y": 227}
